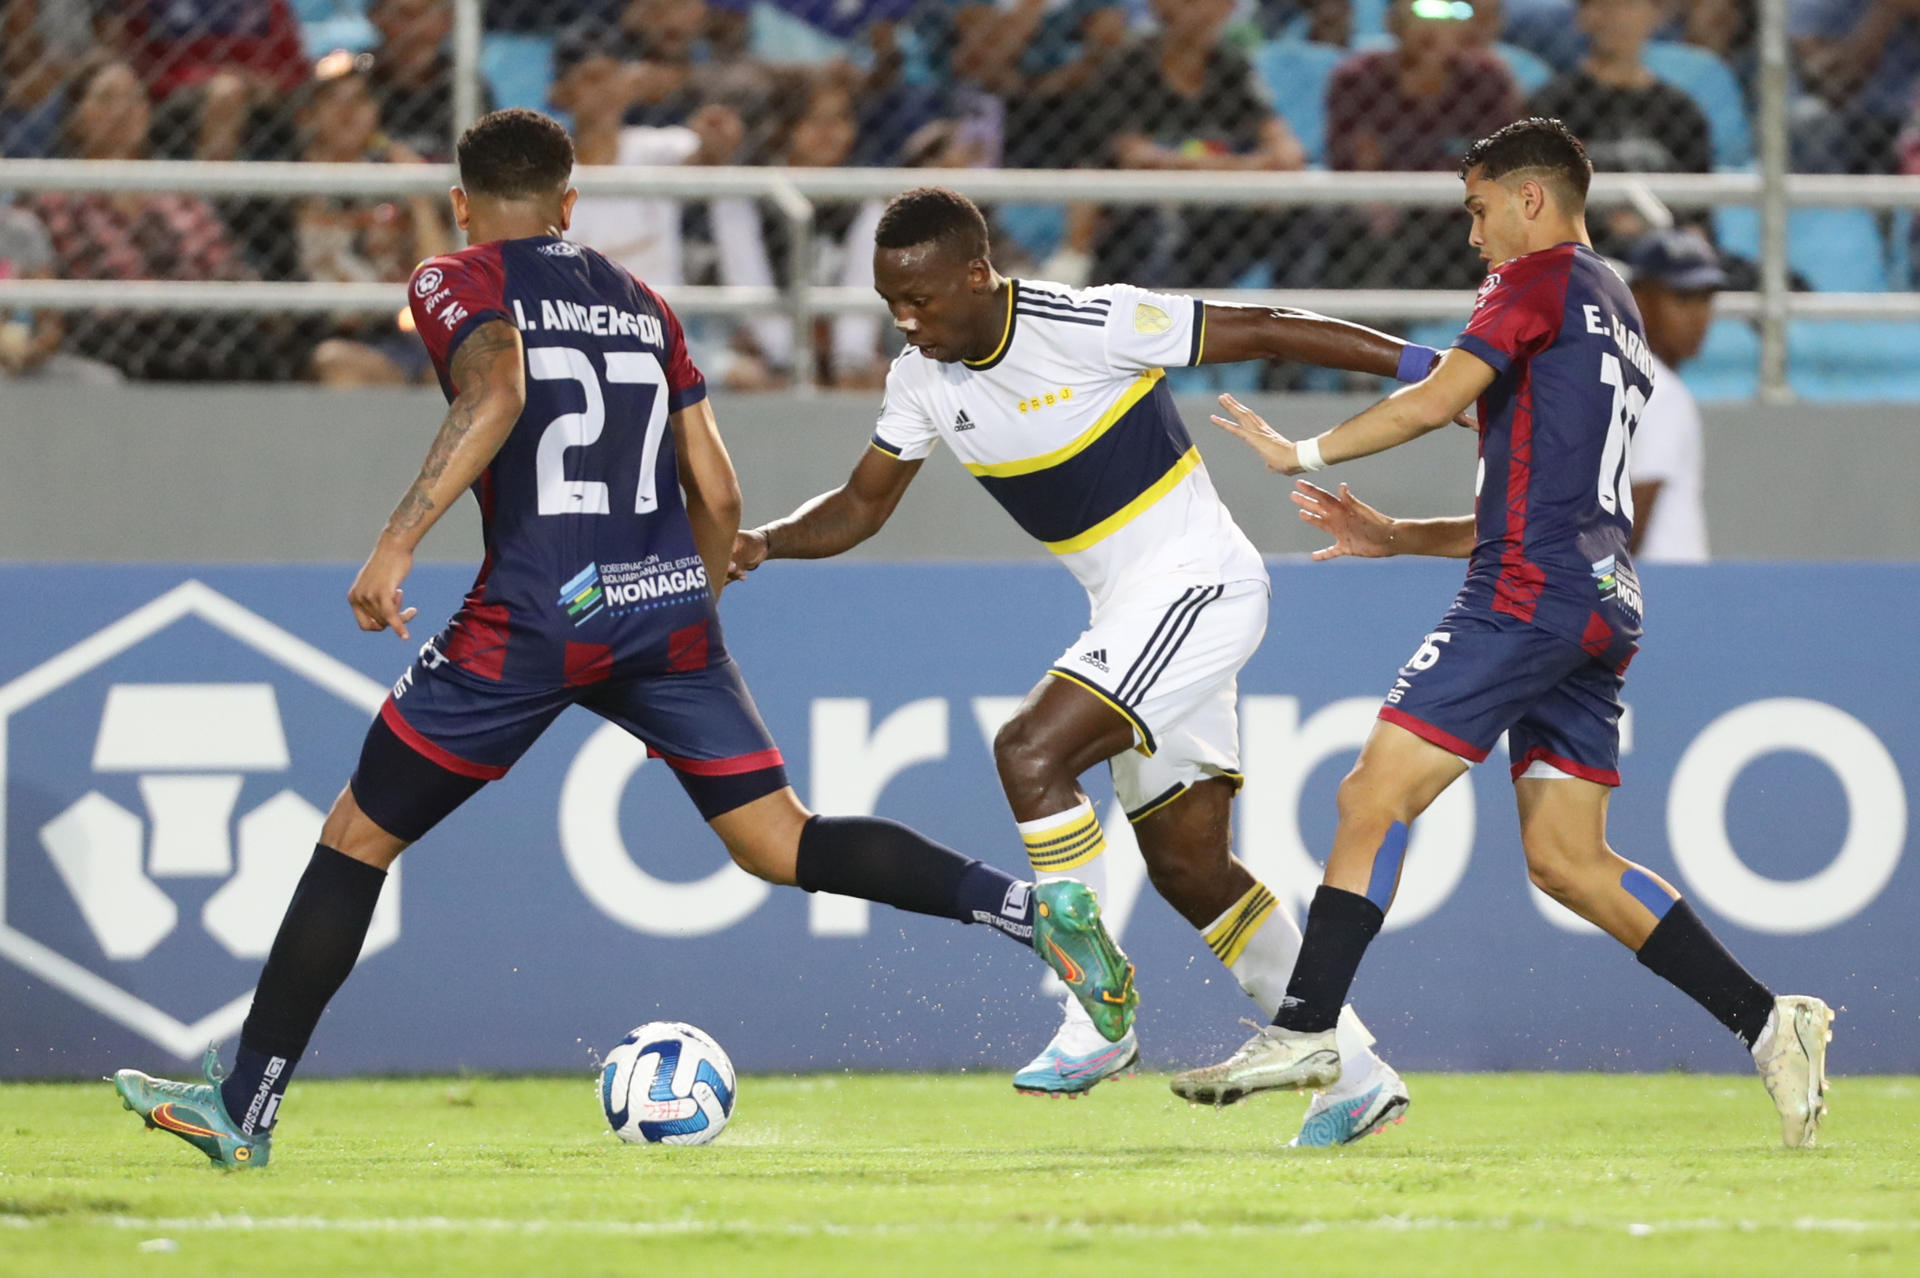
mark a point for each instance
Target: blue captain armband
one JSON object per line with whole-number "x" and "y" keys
{"x": 1416, "y": 362}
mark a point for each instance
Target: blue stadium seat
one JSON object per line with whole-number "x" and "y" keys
{"x": 1728, "y": 365}
{"x": 519, "y": 68}
{"x": 1369, "y": 19}
{"x": 1854, "y": 360}
{"x": 1296, "y": 74}
{"x": 777, "y": 36}
{"x": 1706, "y": 79}
{"x": 1836, "y": 250}
{"x": 1529, "y": 69}
{"x": 1039, "y": 228}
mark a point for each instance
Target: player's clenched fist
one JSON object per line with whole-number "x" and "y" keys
{"x": 375, "y": 595}
{"x": 749, "y": 552}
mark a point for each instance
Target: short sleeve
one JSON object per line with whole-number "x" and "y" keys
{"x": 1151, "y": 330}
{"x": 905, "y": 428}
{"x": 686, "y": 384}
{"x": 1518, "y": 312}
{"x": 450, "y": 297}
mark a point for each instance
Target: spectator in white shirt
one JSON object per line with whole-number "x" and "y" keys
{"x": 1674, "y": 275}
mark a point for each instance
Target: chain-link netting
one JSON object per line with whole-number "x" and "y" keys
{"x": 1214, "y": 86}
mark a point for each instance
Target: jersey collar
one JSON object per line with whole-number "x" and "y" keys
{"x": 1006, "y": 334}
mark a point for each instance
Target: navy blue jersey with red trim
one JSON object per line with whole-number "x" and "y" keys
{"x": 591, "y": 567}
{"x": 1554, "y": 501}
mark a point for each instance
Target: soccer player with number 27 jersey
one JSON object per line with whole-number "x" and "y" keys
{"x": 1536, "y": 644}
{"x": 609, "y": 506}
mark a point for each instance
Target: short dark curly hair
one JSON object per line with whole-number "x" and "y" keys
{"x": 1535, "y": 147}
{"x": 515, "y": 154}
{"x": 929, "y": 214}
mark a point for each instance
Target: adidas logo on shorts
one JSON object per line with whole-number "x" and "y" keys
{"x": 1097, "y": 659}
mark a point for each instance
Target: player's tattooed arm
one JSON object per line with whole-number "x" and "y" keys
{"x": 492, "y": 390}
{"x": 711, "y": 486}
{"x": 1358, "y": 529}
{"x": 1235, "y": 333}
{"x": 833, "y": 522}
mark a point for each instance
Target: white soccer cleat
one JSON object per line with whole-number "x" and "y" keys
{"x": 1344, "y": 1115}
{"x": 1792, "y": 1057}
{"x": 1078, "y": 1059}
{"x": 1272, "y": 1059}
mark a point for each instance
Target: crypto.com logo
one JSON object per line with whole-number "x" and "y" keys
{"x": 190, "y": 747}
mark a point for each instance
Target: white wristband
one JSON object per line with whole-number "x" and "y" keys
{"x": 1307, "y": 453}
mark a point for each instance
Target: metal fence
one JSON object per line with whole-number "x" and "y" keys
{"x": 244, "y": 202}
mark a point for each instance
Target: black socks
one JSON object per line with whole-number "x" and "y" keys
{"x": 1340, "y": 926}
{"x": 1681, "y": 949}
{"x": 318, "y": 943}
{"x": 880, "y": 860}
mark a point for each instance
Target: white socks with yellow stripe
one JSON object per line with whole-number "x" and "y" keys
{"x": 1259, "y": 942}
{"x": 1068, "y": 845}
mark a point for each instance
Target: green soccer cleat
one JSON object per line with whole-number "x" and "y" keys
{"x": 195, "y": 1113}
{"x": 1068, "y": 934}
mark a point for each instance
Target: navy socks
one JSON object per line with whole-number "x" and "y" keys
{"x": 1340, "y": 926}
{"x": 318, "y": 943}
{"x": 1682, "y": 950}
{"x": 880, "y": 860}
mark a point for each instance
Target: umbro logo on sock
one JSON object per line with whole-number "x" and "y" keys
{"x": 1097, "y": 658}
{"x": 963, "y": 422}
{"x": 1015, "y": 904}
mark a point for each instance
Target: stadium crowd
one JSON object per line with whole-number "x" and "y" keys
{"x": 1215, "y": 85}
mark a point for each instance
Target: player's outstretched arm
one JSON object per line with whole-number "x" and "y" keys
{"x": 712, "y": 488}
{"x": 1234, "y": 333}
{"x": 1438, "y": 398}
{"x": 1359, "y": 529}
{"x": 493, "y": 389}
{"x": 831, "y": 523}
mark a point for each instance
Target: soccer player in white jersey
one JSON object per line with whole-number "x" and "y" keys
{"x": 1056, "y": 400}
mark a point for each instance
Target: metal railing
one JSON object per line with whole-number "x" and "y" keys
{"x": 796, "y": 192}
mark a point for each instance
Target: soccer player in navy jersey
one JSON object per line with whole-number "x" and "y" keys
{"x": 1537, "y": 642}
{"x": 609, "y": 506}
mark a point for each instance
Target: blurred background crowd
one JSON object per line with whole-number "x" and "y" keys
{"x": 1225, "y": 86}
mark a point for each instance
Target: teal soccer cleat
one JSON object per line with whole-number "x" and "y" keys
{"x": 1076, "y": 1061}
{"x": 1068, "y": 934}
{"x": 1343, "y": 1119}
{"x": 195, "y": 1113}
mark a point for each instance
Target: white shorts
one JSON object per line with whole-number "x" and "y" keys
{"x": 1170, "y": 664}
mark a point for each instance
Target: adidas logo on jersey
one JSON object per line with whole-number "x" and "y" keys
{"x": 1097, "y": 659}
{"x": 963, "y": 422}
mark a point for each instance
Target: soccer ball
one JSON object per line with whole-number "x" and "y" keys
{"x": 667, "y": 1083}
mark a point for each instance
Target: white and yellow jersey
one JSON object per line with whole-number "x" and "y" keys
{"x": 1071, "y": 427}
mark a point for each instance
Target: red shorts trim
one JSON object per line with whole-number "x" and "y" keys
{"x": 739, "y": 763}
{"x": 1599, "y": 776}
{"x": 1427, "y": 732}
{"x": 452, "y": 762}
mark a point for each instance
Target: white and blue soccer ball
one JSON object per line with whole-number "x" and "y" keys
{"x": 667, "y": 1083}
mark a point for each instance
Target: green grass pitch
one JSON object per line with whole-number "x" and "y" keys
{"x": 924, "y": 1176}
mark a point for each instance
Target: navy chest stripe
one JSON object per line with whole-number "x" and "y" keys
{"x": 1061, "y": 502}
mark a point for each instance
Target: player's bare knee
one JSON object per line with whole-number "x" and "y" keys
{"x": 1023, "y": 758}
{"x": 1564, "y": 869}
{"x": 1363, "y": 801}
{"x": 351, "y": 832}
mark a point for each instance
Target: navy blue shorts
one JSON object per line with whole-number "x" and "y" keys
{"x": 1477, "y": 676}
{"x": 470, "y": 730}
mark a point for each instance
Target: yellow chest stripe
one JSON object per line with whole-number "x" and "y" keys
{"x": 1046, "y": 461}
{"x": 1188, "y": 463}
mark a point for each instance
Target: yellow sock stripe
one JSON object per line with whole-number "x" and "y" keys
{"x": 1060, "y": 833}
{"x": 1228, "y": 940}
{"x": 1080, "y": 854}
{"x": 1051, "y": 853}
